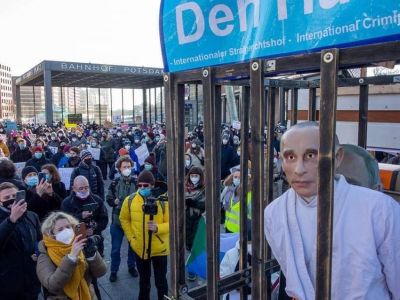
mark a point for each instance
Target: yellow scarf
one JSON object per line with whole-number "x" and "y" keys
{"x": 77, "y": 288}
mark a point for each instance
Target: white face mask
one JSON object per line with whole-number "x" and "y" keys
{"x": 65, "y": 236}
{"x": 126, "y": 172}
{"x": 187, "y": 163}
{"x": 127, "y": 147}
{"x": 195, "y": 179}
{"x": 236, "y": 181}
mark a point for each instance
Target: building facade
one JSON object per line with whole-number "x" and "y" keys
{"x": 7, "y": 107}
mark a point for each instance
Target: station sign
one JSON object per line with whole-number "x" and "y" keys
{"x": 75, "y": 118}
{"x": 200, "y": 33}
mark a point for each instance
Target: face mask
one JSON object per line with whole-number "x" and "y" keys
{"x": 7, "y": 204}
{"x": 224, "y": 141}
{"x": 38, "y": 155}
{"x": 157, "y": 140}
{"x": 53, "y": 138}
{"x": 195, "y": 179}
{"x": 236, "y": 181}
{"x": 74, "y": 139}
{"x": 65, "y": 236}
{"x": 194, "y": 146}
{"x": 145, "y": 192}
{"x": 148, "y": 167}
{"x": 22, "y": 146}
{"x": 126, "y": 172}
{"x": 88, "y": 161}
{"x": 119, "y": 134}
{"x": 94, "y": 145}
{"x": 82, "y": 195}
{"x": 127, "y": 147}
{"x": 137, "y": 141}
{"x": 187, "y": 163}
{"x": 32, "y": 181}
{"x": 238, "y": 152}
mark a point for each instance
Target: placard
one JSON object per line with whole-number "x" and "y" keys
{"x": 116, "y": 119}
{"x": 142, "y": 153}
{"x": 236, "y": 125}
{"x": 32, "y": 137}
{"x": 53, "y": 150}
{"x": 95, "y": 152}
{"x": 200, "y": 33}
{"x": 75, "y": 118}
{"x": 19, "y": 166}
{"x": 65, "y": 175}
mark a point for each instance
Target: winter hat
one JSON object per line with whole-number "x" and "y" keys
{"x": 27, "y": 170}
{"x": 151, "y": 159}
{"x": 84, "y": 154}
{"x": 37, "y": 149}
{"x": 146, "y": 177}
{"x": 122, "y": 152}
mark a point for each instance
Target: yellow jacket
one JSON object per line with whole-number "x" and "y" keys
{"x": 4, "y": 147}
{"x": 134, "y": 224}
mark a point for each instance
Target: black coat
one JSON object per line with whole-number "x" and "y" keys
{"x": 18, "y": 242}
{"x": 93, "y": 175}
{"x": 74, "y": 206}
{"x": 44, "y": 205}
{"x": 21, "y": 155}
{"x": 37, "y": 163}
{"x": 229, "y": 159}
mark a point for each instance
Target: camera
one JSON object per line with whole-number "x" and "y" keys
{"x": 91, "y": 245}
{"x": 150, "y": 206}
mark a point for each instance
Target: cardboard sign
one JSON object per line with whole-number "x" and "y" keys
{"x": 19, "y": 167}
{"x": 65, "y": 174}
{"x": 142, "y": 153}
{"x": 201, "y": 33}
{"x": 32, "y": 137}
{"x": 116, "y": 119}
{"x": 95, "y": 152}
{"x": 236, "y": 125}
{"x": 75, "y": 118}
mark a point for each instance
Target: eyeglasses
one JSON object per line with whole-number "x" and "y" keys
{"x": 143, "y": 185}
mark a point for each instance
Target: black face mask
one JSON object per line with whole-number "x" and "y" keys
{"x": 7, "y": 204}
{"x": 88, "y": 161}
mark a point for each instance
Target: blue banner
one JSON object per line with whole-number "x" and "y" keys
{"x": 199, "y": 33}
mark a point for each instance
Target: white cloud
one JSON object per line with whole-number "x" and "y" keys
{"x": 99, "y": 31}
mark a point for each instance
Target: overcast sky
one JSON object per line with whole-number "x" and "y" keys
{"x": 121, "y": 32}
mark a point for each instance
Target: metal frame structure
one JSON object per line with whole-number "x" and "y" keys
{"x": 258, "y": 103}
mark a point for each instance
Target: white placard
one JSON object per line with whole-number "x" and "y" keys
{"x": 142, "y": 153}
{"x": 116, "y": 119}
{"x": 236, "y": 125}
{"x": 65, "y": 174}
{"x": 19, "y": 166}
{"x": 95, "y": 152}
{"x": 53, "y": 150}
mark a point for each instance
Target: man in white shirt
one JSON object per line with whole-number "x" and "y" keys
{"x": 366, "y": 230}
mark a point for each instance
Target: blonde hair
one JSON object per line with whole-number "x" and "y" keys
{"x": 50, "y": 221}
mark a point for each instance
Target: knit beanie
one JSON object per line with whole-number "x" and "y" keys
{"x": 27, "y": 170}
{"x": 84, "y": 154}
{"x": 146, "y": 177}
{"x": 151, "y": 159}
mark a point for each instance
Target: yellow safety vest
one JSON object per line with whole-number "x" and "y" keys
{"x": 232, "y": 215}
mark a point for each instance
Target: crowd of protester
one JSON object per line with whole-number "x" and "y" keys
{"x": 52, "y": 221}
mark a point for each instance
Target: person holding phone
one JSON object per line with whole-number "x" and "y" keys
{"x": 67, "y": 263}
{"x": 41, "y": 197}
{"x": 19, "y": 235}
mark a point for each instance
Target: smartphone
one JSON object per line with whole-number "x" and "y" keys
{"x": 90, "y": 207}
{"x": 20, "y": 196}
{"x": 81, "y": 229}
{"x": 42, "y": 176}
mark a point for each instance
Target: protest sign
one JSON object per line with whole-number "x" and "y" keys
{"x": 142, "y": 153}
{"x": 53, "y": 150}
{"x": 19, "y": 166}
{"x": 95, "y": 152}
{"x": 236, "y": 125}
{"x": 65, "y": 175}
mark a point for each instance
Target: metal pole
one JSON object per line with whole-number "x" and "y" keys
{"x": 363, "y": 116}
{"x": 62, "y": 104}
{"x": 294, "y": 105}
{"x": 99, "y": 107}
{"x": 257, "y": 92}
{"x": 312, "y": 105}
{"x": 123, "y": 115}
{"x": 87, "y": 104}
{"x": 175, "y": 144}
{"x": 111, "y": 104}
{"x": 155, "y": 105}
{"x": 74, "y": 102}
{"x": 197, "y": 103}
{"x": 326, "y": 169}
{"x": 282, "y": 106}
{"x": 244, "y": 158}
{"x": 34, "y": 104}
{"x": 144, "y": 106}
{"x": 48, "y": 96}
{"x": 161, "y": 104}
{"x": 212, "y": 138}
{"x": 133, "y": 106}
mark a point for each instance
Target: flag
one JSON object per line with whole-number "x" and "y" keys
{"x": 197, "y": 260}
